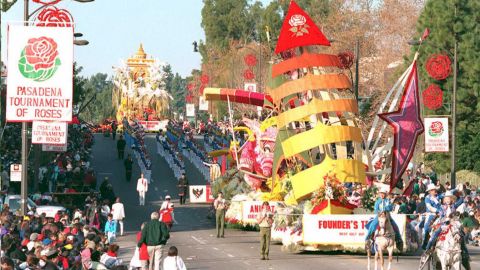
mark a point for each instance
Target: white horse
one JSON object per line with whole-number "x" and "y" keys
{"x": 384, "y": 240}
{"x": 448, "y": 250}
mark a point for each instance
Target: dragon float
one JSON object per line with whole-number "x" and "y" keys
{"x": 301, "y": 157}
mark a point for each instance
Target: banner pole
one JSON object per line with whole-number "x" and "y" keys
{"x": 24, "y": 192}
{"x": 233, "y": 132}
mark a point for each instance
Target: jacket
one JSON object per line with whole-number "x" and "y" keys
{"x": 142, "y": 185}
{"x": 111, "y": 226}
{"x": 382, "y": 205}
{"x": 154, "y": 233}
{"x": 118, "y": 211}
{"x": 433, "y": 204}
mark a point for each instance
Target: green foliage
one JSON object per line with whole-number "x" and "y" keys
{"x": 168, "y": 77}
{"x": 468, "y": 176}
{"x": 78, "y": 84}
{"x": 450, "y": 21}
{"x": 369, "y": 197}
{"x": 178, "y": 90}
{"x": 99, "y": 87}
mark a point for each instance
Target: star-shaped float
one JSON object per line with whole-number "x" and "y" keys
{"x": 407, "y": 126}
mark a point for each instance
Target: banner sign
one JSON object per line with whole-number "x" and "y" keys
{"x": 190, "y": 110}
{"x": 436, "y": 135}
{"x": 250, "y": 210}
{"x": 54, "y": 147}
{"x": 200, "y": 194}
{"x": 154, "y": 125}
{"x": 40, "y": 72}
{"x": 252, "y": 87}
{"x": 202, "y": 104}
{"x": 49, "y": 132}
{"x": 16, "y": 172}
{"x": 341, "y": 229}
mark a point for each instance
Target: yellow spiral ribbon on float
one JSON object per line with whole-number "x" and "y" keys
{"x": 307, "y": 181}
{"x": 309, "y": 82}
{"x": 306, "y": 60}
{"x": 317, "y": 106}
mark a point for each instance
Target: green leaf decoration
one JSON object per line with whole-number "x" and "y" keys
{"x": 294, "y": 29}
{"x": 305, "y": 30}
{"x": 28, "y": 71}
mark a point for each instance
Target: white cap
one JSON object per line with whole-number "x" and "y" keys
{"x": 385, "y": 190}
{"x": 431, "y": 187}
{"x": 167, "y": 197}
{"x": 449, "y": 193}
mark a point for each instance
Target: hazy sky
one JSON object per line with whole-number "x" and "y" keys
{"x": 115, "y": 29}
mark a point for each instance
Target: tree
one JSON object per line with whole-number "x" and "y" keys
{"x": 453, "y": 21}
{"x": 78, "y": 84}
{"x": 178, "y": 89}
{"x": 98, "y": 89}
{"x": 168, "y": 78}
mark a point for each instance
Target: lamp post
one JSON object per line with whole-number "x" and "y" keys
{"x": 24, "y": 151}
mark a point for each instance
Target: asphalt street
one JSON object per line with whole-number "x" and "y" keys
{"x": 194, "y": 235}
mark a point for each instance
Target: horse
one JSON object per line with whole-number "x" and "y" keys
{"x": 384, "y": 239}
{"x": 447, "y": 254}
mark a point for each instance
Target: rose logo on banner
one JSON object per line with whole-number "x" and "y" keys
{"x": 39, "y": 60}
{"x": 436, "y": 129}
{"x": 299, "y": 25}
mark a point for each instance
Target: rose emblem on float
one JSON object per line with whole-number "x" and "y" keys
{"x": 39, "y": 59}
{"x": 299, "y": 25}
{"x": 436, "y": 129}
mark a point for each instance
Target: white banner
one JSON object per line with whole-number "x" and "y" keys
{"x": 190, "y": 110}
{"x": 16, "y": 172}
{"x": 341, "y": 229}
{"x": 40, "y": 73}
{"x": 250, "y": 210}
{"x": 49, "y": 132}
{"x": 200, "y": 194}
{"x": 154, "y": 125}
{"x": 54, "y": 147}
{"x": 202, "y": 104}
{"x": 252, "y": 87}
{"x": 436, "y": 135}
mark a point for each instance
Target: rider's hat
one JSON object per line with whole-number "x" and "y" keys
{"x": 431, "y": 187}
{"x": 449, "y": 193}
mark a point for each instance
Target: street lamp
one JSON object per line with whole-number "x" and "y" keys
{"x": 453, "y": 177}
{"x": 81, "y": 42}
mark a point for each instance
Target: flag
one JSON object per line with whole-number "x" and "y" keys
{"x": 425, "y": 35}
{"x": 298, "y": 30}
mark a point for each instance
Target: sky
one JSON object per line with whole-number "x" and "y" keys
{"x": 115, "y": 28}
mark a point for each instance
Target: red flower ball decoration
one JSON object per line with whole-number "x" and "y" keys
{"x": 202, "y": 87}
{"x": 52, "y": 16}
{"x": 346, "y": 59}
{"x": 189, "y": 99}
{"x": 250, "y": 60}
{"x": 439, "y": 66}
{"x": 204, "y": 79}
{"x": 433, "y": 97}
{"x": 248, "y": 74}
{"x": 190, "y": 86}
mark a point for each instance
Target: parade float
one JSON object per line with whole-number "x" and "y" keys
{"x": 302, "y": 157}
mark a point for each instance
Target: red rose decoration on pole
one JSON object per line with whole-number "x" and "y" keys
{"x": 52, "y": 16}
{"x": 346, "y": 59}
{"x": 250, "y": 60}
{"x": 190, "y": 86}
{"x": 439, "y": 66}
{"x": 433, "y": 97}
{"x": 204, "y": 79}
{"x": 248, "y": 74}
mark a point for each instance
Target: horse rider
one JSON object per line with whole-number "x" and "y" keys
{"x": 383, "y": 204}
{"x": 433, "y": 205}
{"x": 449, "y": 207}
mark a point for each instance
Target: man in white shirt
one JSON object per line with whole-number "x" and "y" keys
{"x": 142, "y": 188}
{"x": 118, "y": 213}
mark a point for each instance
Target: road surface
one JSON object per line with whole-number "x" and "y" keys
{"x": 195, "y": 235}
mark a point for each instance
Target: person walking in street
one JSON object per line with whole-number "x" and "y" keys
{"x": 140, "y": 256}
{"x": 154, "y": 235}
{"x": 173, "y": 261}
{"x": 182, "y": 188}
{"x": 111, "y": 229}
{"x": 121, "y": 143}
{"x": 128, "y": 167}
{"x": 142, "y": 188}
{"x": 265, "y": 221}
{"x": 219, "y": 204}
{"x": 118, "y": 213}
{"x": 114, "y": 129}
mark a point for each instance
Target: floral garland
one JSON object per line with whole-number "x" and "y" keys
{"x": 369, "y": 197}
{"x": 439, "y": 66}
{"x": 333, "y": 189}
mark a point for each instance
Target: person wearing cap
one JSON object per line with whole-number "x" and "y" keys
{"x": 265, "y": 221}
{"x": 433, "y": 205}
{"x": 383, "y": 204}
{"x": 167, "y": 203}
{"x": 142, "y": 188}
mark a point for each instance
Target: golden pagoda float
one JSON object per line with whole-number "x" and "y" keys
{"x": 139, "y": 91}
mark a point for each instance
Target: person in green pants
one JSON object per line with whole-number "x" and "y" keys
{"x": 265, "y": 221}
{"x": 219, "y": 204}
